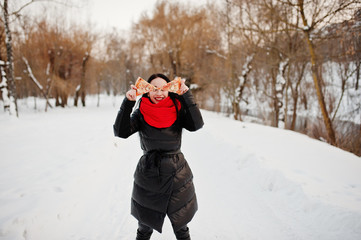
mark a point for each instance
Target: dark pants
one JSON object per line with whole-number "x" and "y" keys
{"x": 144, "y": 232}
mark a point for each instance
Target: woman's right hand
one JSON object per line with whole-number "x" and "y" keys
{"x": 132, "y": 93}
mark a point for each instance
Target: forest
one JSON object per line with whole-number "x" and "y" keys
{"x": 292, "y": 64}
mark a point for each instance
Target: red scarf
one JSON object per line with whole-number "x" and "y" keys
{"x": 160, "y": 115}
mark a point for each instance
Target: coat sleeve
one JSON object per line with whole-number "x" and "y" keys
{"x": 192, "y": 120}
{"x": 125, "y": 123}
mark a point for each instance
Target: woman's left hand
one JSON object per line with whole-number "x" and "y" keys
{"x": 183, "y": 87}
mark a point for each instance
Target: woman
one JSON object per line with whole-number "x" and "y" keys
{"x": 163, "y": 182}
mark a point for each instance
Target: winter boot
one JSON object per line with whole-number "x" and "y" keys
{"x": 183, "y": 234}
{"x": 144, "y": 232}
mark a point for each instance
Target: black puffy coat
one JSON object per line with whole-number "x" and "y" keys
{"x": 163, "y": 181}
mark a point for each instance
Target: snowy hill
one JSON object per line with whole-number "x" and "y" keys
{"x": 64, "y": 176}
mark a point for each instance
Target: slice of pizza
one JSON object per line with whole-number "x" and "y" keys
{"x": 143, "y": 86}
{"x": 173, "y": 86}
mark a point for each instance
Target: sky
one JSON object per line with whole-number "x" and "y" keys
{"x": 118, "y": 13}
{"x": 100, "y": 14}
{"x": 122, "y": 13}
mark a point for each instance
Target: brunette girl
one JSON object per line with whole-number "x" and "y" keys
{"x": 163, "y": 182}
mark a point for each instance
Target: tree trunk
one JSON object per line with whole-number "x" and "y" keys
{"x": 276, "y": 107}
{"x": 236, "y": 111}
{"x": 81, "y": 88}
{"x": 4, "y": 90}
{"x": 316, "y": 79}
{"x": 294, "y": 114}
{"x": 321, "y": 100}
{"x": 9, "y": 51}
{"x": 229, "y": 65}
{"x": 172, "y": 63}
{"x": 286, "y": 98}
{"x": 357, "y": 75}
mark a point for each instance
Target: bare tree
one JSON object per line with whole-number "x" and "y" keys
{"x": 315, "y": 15}
{"x": 180, "y": 40}
{"x": 298, "y": 70}
{"x": 36, "y": 82}
{"x": 10, "y": 63}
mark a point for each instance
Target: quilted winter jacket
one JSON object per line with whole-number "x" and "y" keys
{"x": 163, "y": 180}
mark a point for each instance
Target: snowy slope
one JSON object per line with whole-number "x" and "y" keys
{"x": 64, "y": 176}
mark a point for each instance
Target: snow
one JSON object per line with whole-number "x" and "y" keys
{"x": 306, "y": 28}
{"x": 194, "y": 86}
{"x": 63, "y": 175}
{"x": 216, "y": 53}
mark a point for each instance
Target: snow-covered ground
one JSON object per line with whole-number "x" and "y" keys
{"x": 63, "y": 175}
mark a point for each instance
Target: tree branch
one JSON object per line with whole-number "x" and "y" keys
{"x": 33, "y": 1}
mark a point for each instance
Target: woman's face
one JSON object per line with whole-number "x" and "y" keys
{"x": 158, "y": 95}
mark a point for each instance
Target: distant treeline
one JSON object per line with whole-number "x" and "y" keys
{"x": 270, "y": 60}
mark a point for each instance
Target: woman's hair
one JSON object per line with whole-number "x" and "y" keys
{"x": 173, "y": 96}
{"x": 158, "y": 75}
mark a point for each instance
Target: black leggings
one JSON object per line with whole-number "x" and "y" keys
{"x": 144, "y": 228}
{"x": 144, "y": 232}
